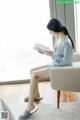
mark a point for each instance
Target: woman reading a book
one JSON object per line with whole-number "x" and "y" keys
{"x": 61, "y": 56}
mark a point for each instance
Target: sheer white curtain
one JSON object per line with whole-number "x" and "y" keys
{"x": 22, "y": 24}
{"x": 77, "y": 26}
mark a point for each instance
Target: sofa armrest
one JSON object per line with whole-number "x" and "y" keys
{"x": 76, "y": 57}
{"x": 65, "y": 78}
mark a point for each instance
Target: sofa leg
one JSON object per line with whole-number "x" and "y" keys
{"x": 58, "y": 99}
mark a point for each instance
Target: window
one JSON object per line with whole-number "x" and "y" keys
{"x": 22, "y": 24}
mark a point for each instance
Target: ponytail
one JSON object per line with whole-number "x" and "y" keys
{"x": 65, "y": 31}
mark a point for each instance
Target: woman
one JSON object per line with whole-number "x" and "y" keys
{"x": 61, "y": 56}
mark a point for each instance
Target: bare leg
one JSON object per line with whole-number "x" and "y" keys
{"x": 40, "y": 72}
{"x": 37, "y": 68}
{"x": 37, "y": 94}
{"x": 35, "y": 75}
{"x": 33, "y": 85}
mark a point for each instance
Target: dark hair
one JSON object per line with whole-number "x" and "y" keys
{"x": 65, "y": 31}
{"x": 56, "y": 26}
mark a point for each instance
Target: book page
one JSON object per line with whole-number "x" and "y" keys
{"x": 41, "y": 47}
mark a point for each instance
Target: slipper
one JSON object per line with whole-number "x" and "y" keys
{"x": 27, "y": 114}
{"x": 35, "y": 99}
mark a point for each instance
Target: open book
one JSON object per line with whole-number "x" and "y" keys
{"x": 40, "y": 47}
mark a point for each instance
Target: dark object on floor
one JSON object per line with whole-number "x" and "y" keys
{"x": 35, "y": 99}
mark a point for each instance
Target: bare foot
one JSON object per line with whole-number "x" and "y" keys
{"x": 37, "y": 95}
{"x": 29, "y": 108}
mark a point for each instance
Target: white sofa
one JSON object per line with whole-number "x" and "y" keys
{"x": 66, "y": 78}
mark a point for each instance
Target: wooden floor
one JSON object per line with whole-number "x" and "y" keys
{"x": 14, "y": 94}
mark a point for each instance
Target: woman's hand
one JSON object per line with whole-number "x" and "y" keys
{"x": 41, "y": 52}
{"x": 46, "y": 52}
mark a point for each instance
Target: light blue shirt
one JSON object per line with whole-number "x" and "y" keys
{"x": 63, "y": 54}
